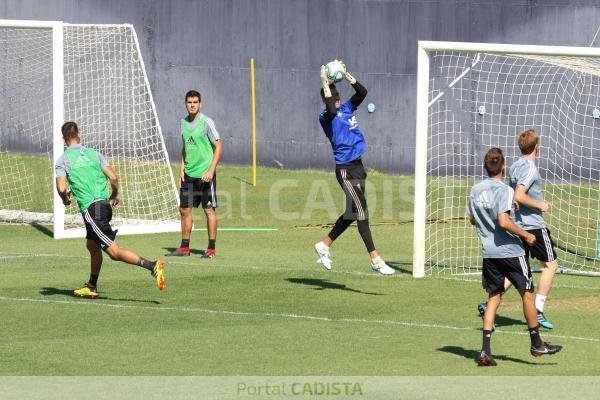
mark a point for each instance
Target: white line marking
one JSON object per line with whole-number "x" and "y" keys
{"x": 279, "y": 315}
{"x": 169, "y": 260}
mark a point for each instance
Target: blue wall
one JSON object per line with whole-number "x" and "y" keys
{"x": 206, "y": 45}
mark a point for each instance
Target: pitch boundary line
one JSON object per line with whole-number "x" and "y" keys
{"x": 281, "y": 315}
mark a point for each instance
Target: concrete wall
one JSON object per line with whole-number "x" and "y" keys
{"x": 206, "y": 45}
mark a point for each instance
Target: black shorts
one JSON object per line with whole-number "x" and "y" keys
{"x": 97, "y": 223}
{"x": 544, "y": 247}
{"x": 352, "y": 177}
{"x": 194, "y": 192}
{"x": 516, "y": 269}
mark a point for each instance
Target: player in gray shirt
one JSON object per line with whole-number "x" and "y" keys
{"x": 526, "y": 181}
{"x": 489, "y": 207}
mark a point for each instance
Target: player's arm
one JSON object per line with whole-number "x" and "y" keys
{"x": 361, "y": 91}
{"x": 182, "y": 168}
{"x": 62, "y": 189}
{"x": 114, "y": 184}
{"x": 469, "y": 213}
{"x": 524, "y": 199}
{"x": 508, "y": 225}
{"x": 215, "y": 140}
{"x": 330, "y": 110}
{"x": 218, "y": 152}
{"x": 61, "y": 169}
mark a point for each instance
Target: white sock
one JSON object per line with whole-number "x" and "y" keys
{"x": 540, "y": 300}
{"x": 322, "y": 244}
{"x": 376, "y": 260}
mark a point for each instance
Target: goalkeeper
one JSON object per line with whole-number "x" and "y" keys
{"x": 87, "y": 174}
{"x": 489, "y": 207}
{"x": 348, "y": 143}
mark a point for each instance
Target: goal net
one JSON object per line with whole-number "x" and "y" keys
{"x": 52, "y": 72}
{"x": 474, "y": 96}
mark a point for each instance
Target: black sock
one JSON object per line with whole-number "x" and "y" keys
{"x": 185, "y": 243}
{"x": 487, "y": 337}
{"x": 534, "y": 334}
{"x": 93, "y": 280}
{"x": 212, "y": 243}
{"x": 149, "y": 265}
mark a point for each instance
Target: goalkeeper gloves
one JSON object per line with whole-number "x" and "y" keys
{"x": 350, "y": 78}
{"x": 325, "y": 82}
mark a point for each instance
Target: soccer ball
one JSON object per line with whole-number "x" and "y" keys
{"x": 335, "y": 71}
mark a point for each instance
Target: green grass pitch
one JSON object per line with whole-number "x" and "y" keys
{"x": 265, "y": 307}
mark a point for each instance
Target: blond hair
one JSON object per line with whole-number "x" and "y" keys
{"x": 528, "y": 140}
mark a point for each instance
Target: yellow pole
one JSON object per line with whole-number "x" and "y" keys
{"x": 253, "y": 122}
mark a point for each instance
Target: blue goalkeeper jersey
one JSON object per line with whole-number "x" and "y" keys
{"x": 346, "y": 139}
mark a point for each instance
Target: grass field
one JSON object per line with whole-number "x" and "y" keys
{"x": 264, "y": 307}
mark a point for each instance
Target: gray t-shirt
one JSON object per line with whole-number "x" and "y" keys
{"x": 62, "y": 166}
{"x": 524, "y": 172}
{"x": 487, "y": 200}
{"x": 210, "y": 130}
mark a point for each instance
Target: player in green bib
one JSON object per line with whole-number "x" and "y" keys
{"x": 200, "y": 155}
{"x": 87, "y": 174}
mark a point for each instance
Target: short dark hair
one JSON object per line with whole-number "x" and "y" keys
{"x": 193, "y": 93}
{"x": 493, "y": 161}
{"x": 528, "y": 140}
{"x": 331, "y": 87}
{"x": 69, "y": 131}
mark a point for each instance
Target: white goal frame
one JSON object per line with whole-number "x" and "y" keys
{"x": 422, "y": 115}
{"x": 125, "y": 226}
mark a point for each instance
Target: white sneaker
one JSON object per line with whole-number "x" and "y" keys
{"x": 380, "y": 266}
{"x": 324, "y": 256}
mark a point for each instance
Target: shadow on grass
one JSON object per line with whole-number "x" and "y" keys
{"x": 44, "y": 229}
{"x": 323, "y": 284}
{"x": 242, "y": 180}
{"x": 474, "y": 355}
{"x": 49, "y": 291}
{"x": 402, "y": 267}
{"x": 192, "y": 251}
{"x": 505, "y": 321}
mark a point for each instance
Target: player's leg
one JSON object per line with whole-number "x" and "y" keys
{"x": 211, "y": 228}
{"x": 519, "y": 273}
{"x": 481, "y": 307}
{"x": 98, "y": 217}
{"x": 322, "y": 248}
{"x": 492, "y": 280}
{"x": 95, "y": 261}
{"x": 544, "y": 251}
{"x": 353, "y": 180}
{"x": 89, "y": 289}
{"x": 156, "y": 268}
{"x": 339, "y": 227}
{"x": 485, "y": 356}
{"x": 538, "y": 346}
{"x": 208, "y": 199}
{"x": 186, "y": 200}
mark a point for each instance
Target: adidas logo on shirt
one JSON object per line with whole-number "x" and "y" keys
{"x": 483, "y": 200}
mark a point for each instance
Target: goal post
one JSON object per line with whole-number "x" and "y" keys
{"x": 472, "y": 96}
{"x": 51, "y": 72}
